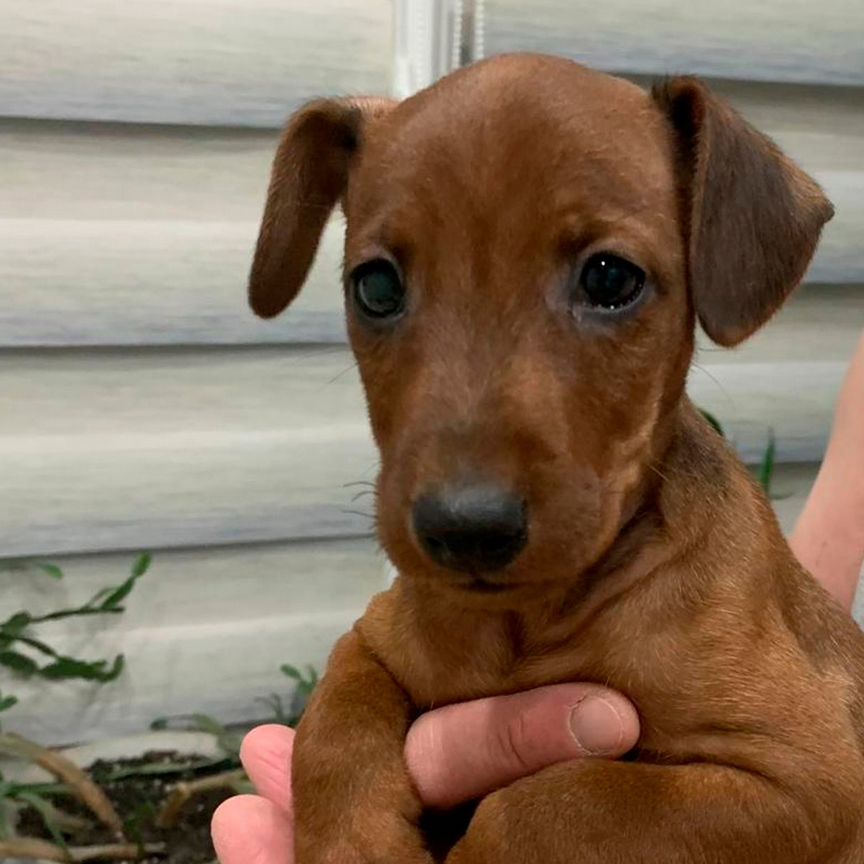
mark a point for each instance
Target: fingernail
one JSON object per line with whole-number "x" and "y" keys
{"x": 597, "y": 726}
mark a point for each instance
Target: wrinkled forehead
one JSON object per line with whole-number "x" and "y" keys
{"x": 570, "y": 143}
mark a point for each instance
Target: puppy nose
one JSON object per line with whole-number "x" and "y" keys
{"x": 473, "y": 529}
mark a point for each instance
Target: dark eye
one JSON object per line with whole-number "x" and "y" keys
{"x": 378, "y": 290}
{"x": 610, "y": 282}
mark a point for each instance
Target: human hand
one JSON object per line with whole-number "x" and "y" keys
{"x": 454, "y": 754}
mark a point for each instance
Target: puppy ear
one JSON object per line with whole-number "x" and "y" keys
{"x": 753, "y": 217}
{"x": 310, "y": 174}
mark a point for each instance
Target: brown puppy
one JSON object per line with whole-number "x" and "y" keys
{"x": 529, "y": 244}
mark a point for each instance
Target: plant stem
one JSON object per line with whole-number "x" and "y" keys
{"x": 184, "y": 791}
{"x": 67, "y": 772}
{"x": 72, "y": 613}
{"x": 35, "y": 643}
{"x": 42, "y": 850}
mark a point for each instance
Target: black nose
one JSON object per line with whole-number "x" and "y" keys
{"x": 474, "y": 529}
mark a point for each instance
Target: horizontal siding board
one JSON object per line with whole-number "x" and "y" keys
{"x": 94, "y": 171}
{"x": 95, "y": 494}
{"x": 821, "y": 126}
{"x": 819, "y": 322}
{"x": 795, "y": 401}
{"x": 838, "y": 257}
{"x": 121, "y": 236}
{"x": 786, "y": 378}
{"x": 773, "y": 40}
{"x": 220, "y": 62}
{"x": 57, "y": 396}
{"x": 127, "y": 450}
{"x": 131, "y": 282}
{"x": 204, "y": 585}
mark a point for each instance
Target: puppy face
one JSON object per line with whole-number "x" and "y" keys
{"x": 521, "y": 243}
{"x": 531, "y": 249}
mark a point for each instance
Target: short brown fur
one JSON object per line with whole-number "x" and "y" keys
{"x": 654, "y": 563}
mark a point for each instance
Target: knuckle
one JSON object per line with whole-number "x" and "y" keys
{"x": 512, "y": 745}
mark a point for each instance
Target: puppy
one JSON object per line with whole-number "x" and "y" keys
{"x": 529, "y": 245}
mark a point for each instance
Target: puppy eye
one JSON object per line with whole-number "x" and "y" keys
{"x": 377, "y": 289}
{"x": 610, "y": 282}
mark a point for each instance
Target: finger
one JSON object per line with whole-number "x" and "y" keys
{"x": 248, "y": 829}
{"x": 266, "y": 756}
{"x": 461, "y": 752}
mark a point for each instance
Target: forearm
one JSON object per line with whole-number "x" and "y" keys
{"x": 829, "y": 536}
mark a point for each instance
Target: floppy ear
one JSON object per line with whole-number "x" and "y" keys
{"x": 753, "y": 216}
{"x": 310, "y": 174}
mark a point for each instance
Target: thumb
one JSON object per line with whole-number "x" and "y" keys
{"x": 461, "y": 752}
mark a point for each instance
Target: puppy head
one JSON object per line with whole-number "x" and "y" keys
{"x": 528, "y": 246}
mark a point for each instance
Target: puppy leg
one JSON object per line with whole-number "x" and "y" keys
{"x": 596, "y": 812}
{"x": 353, "y": 800}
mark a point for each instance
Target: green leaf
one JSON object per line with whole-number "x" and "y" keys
{"x": 291, "y": 671}
{"x": 43, "y": 789}
{"x": 713, "y": 421}
{"x": 68, "y": 667}
{"x": 18, "y": 663}
{"x": 98, "y": 596}
{"x": 305, "y": 683}
{"x": 119, "y": 594}
{"x": 141, "y": 564}
{"x": 39, "y": 646}
{"x": 243, "y": 786}
{"x": 109, "y": 599}
{"x": 7, "y": 702}
{"x": 276, "y": 705}
{"x": 52, "y": 570}
{"x": 161, "y": 769}
{"x": 766, "y": 468}
{"x": 116, "y": 597}
{"x": 47, "y": 812}
{"x": 16, "y": 624}
{"x": 206, "y": 723}
{"x": 80, "y": 612}
{"x": 8, "y": 812}
{"x": 228, "y": 741}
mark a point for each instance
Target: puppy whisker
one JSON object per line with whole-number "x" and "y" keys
{"x": 658, "y": 472}
{"x": 715, "y": 380}
{"x": 343, "y": 372}
{"x": 370, "y": 516}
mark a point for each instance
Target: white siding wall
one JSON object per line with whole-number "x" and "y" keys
{"x": 142, "y": 406}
